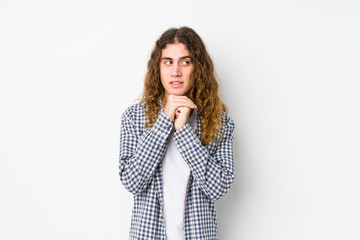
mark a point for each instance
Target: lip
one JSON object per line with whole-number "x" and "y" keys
{"x": 176, "y": 84}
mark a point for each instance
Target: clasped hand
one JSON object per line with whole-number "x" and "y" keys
{"x": 178, "y": 108}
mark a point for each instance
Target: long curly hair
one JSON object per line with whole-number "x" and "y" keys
{"x": 205, "y": 90}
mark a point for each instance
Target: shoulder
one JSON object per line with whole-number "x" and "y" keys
{"x": 229, "y": 123}
{"x": 135, "y": 114}
{"x": 227, "y": 128}
{"x": 134, "y": 111}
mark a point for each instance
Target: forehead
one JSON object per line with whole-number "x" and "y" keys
{"x": 175, "y": 50}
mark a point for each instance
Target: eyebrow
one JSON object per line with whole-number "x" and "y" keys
{"x": 169, "y": 58}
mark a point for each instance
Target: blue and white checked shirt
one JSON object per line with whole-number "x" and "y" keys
{"x": 141, "y": 152}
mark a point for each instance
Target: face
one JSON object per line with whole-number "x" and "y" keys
{"x": 175, "y": 70}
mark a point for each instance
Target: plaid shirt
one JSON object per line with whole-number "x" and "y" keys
{"x": 211, "y": 173}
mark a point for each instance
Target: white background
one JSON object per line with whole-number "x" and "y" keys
{"x": 289, "y": 71}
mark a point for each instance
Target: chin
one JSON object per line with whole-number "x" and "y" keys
{"x": 177, "y": 93}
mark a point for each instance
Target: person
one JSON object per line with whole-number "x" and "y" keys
{"x": 176, "y": 143}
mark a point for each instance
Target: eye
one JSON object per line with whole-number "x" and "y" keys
{"x": 185, "y": 62}
{"x": 167, "y": 62}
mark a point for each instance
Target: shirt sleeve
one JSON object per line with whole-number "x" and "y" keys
{"x": 214, "y": 173}
{"x": 139, "y": 156}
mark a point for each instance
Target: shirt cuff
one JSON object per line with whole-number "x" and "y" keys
{"x": 185, "y": 137}
{"x": 163, "y": 125}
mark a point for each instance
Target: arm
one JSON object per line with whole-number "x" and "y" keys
{"x": 214, "y": 173}
{"x": 139, "y": 157}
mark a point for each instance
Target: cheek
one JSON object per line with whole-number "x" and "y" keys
{"x": 191, "y": 80}
{"x": 161, "y": 71}
{"x": 162, "y": 75}
{"x": 164, "y": 72}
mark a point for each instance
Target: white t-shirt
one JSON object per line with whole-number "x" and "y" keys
{"x": 176, "y": 174}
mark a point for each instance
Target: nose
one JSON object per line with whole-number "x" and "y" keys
{"x": 176, "y": 70}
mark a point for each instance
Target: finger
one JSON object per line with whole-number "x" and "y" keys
{"x": 176, "y": 97}
{"x": 184, "y": 103}
{"x": 174, "y": 102}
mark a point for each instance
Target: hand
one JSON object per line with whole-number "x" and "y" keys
{"x": 181, "y": 117}
{"x": 180, "y": 106}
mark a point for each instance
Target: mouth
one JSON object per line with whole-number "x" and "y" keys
{"x": 176, "y": 83}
